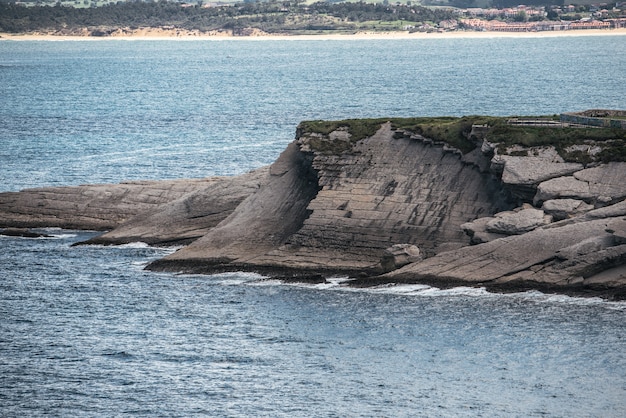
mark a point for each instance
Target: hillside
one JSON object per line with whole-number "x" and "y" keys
{"x": 269, "y": 17}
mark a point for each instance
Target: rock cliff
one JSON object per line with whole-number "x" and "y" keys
{"x": 445, "y": 202}
{"x": 347, "y": 208}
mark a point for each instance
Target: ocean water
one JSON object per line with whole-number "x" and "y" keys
{"x": 85, "y": 331}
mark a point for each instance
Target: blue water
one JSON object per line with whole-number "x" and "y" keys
{"x": 108, "y": 111}
{"x": 85, "y": 331}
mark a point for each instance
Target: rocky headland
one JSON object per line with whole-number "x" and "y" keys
{"x": 502, "y": 203}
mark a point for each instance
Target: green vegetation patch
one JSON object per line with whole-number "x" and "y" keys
{"x": 451, "y": 130}
{"x": 610, "y": 139}
{"x": 456, "y": 131}
{"x": 357, "y": 128}
{"x": 536, "y": 136}
{"x": 272, "y": 16}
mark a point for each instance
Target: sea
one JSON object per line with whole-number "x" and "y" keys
{"x": 86, "y": 331}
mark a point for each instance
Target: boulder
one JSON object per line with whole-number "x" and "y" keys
{"x": 565, "y": 208}
{"x": 562, "y": 188}
{"x": 606, "y": 182}
{"x": 589, "y": 245}
{"x": 521, "y": 175}
{"x": 399, "y": 255}
{"x": 534, "y": 170}
{"x": 477, "y": 231}
{"x": 518, "y": 222}
{"x": 601, "y": 185}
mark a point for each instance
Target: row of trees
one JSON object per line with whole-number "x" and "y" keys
{"x": 269, "y": 16}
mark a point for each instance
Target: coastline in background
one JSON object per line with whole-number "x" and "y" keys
{"x": 159, "y": 34}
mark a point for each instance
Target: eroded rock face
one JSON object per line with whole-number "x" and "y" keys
{"x": 384, "y": 191}
{"x": 261, "y": 223}
{"x": 381, "y": 191}
{"x": 562, "y": 188}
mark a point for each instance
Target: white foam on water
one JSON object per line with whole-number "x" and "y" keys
{"x": 331, "y": 283}
{"x": 61, "y": 236}
{"x": 56, "y": 233}
{"x": 401, "y": 289}
{"x": 237, "y": 278}
{"x": 264, "y": 282}
{"x": 460, "y": 291}
{"x": 541, "y": 297}
{"x": 137, "y": 244}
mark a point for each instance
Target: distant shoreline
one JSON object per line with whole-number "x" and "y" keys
{"x": 168, "y": 34}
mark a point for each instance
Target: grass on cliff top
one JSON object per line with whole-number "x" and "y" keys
{"x": 452, "y": 130}
{"x": 455, "y": 132}
{"x": 613, "y": 141}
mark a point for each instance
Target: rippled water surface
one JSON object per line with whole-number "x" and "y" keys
{"x": 85, "y": 331}
{"x": 107, "y": 111}
{"x": 91, "y": 333}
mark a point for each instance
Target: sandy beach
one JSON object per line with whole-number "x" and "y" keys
{"x": 168, "y": 34}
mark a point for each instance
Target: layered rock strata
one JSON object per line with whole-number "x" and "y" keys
{"x": 151, "y": 211}
{"x": 587, "y": 256}
{"x": 323, "y": 211}
{"x": 188, "y": 217}
{"x": 395, "y": 206}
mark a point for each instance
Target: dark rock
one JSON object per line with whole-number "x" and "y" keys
{"x": 22, "y": 232}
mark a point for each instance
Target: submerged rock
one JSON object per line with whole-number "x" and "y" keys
{"x": 22, "y": 232}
